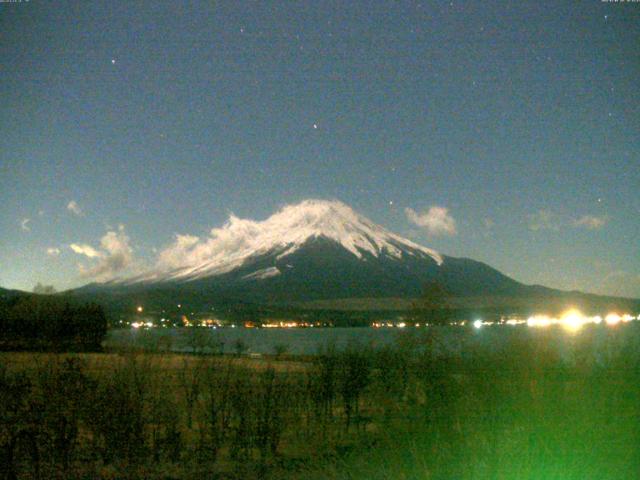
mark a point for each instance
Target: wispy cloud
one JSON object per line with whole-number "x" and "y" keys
{"x": 180, "y": 252}
{"x": 53, "y": 251}
{"x": 590, "y": 222}
{"x": 86, "y": 250}
{"x": 543, "y": 220}
{"x": 74, "y": 208}
{"x": 114, "y": 255}
{"x": 436, "y": 220}
{"x": 24, "y": 224}
{"x": 548, "y": 220}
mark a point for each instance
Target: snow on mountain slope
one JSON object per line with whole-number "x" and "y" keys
{"x": 228, "y": 247}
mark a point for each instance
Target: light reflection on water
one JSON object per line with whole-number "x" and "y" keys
{"x": 601, "y": 340}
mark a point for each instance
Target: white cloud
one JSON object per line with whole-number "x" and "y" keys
{"x": 74, "y": 208}
{"x": 227, "y": 245}
{"x": 590, "y": 222}
{"x": 436, "y": 220}
{"x": 179, "y": 253}
{"x": 84, "y": 249}
{"x": 543, "y": 220}
{"x": 53, "y": 251}
{"x": 115, "y": 255}
{"x": 222, "y": 245}
{"x": 24, "y": 224}
{"x": 548, "y": 220}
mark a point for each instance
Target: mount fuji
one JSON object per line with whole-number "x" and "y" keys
{"x": 313, "y": 251}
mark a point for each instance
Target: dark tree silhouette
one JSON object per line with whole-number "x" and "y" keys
{"x": 34, "y": 322}
{"x": 433, "y": 304}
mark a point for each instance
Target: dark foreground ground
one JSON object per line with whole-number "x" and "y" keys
{"x": 516, "y": 411}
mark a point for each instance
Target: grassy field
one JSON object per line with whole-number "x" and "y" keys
{"x": 515, "y": 411}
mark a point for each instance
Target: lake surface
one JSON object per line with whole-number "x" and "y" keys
{"x": 599, "y": 341}
{"x": 299, "y": 341}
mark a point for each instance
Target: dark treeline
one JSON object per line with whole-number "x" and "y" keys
{"x": 44, "y": 322}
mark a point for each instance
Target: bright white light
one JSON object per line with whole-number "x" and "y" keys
{"x": 612, "y": 319}
{"x": 139, "y": 309}
{"x": 477, "y": 324}
{"x": 402, "y": 325}
{"x": 136, "y": 325}
{"x": 626, "y": 317}
{"x": 539, "y": 321}
{"x": 573, "y": 320}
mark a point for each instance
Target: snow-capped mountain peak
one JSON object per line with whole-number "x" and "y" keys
{"x": 339, "y": 222}
{"x": 229, "y": 246}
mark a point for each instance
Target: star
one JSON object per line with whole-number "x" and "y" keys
{"x": 315, "y": 126}
{"x": 113, "y": 61}
{"x": 606, "y": 16}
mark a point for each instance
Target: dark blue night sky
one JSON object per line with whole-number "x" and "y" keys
{"x": 147, "y": 119}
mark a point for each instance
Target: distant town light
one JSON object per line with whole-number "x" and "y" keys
{"x": 139, "y": 309}
{"x": 477, "y": 324}
{"x": 572, "y": 320}
{"x": 539, "y": 321}
{"x": 612, "y": 319}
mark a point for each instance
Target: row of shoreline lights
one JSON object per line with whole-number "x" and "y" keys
{"x": 571, "y": 320}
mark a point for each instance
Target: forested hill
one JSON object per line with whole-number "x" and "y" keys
{"x": 45, "y": 322}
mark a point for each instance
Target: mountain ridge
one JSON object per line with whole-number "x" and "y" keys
{"x": 284, "y": 232}
{"x": 314, "y": 251}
